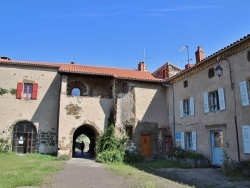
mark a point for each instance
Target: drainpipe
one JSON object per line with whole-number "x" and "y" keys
{"x": 173, "y": 108}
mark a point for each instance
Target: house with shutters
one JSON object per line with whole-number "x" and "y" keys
{"x": 211, "y": 102}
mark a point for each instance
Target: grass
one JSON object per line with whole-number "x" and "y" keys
{"x": 138, "y": 174}
{"x": 26, "y": 170}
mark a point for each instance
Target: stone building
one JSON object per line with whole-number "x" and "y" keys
{"x": 46, "y": 106}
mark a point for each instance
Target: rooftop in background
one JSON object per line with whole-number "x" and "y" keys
{"x": 89, "y": 70}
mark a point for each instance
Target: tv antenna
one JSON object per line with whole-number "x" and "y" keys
{"x": 185, "y": 48}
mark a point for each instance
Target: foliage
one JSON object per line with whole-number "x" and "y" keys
{"x": 180, "y": 153}
{"x": 4, "y": 146}
{"x": 109, "y": 148}
{"x": 3, "y": 91}
{"x": 27, "y": 170}
{"x": 132, "y": 157}
{"x": 12, "y": 91}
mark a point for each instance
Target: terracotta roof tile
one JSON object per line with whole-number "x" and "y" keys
{"x": 92, "y": 70}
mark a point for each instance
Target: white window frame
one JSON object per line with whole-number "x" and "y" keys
{"x": 214, "y": 101}
{"x": 188, "y": 140}
{"x": 187, "y": 107}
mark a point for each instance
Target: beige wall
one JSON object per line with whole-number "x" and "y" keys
{"x": 42, "y": 112}
{"x": 198, "y": 84}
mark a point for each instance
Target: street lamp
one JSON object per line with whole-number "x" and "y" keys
{"x": 172, "y": 87}
{"x": 218, "y": 72}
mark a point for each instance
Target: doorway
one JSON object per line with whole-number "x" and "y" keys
{"x": 145, "y": 145}
{"x": 217, "y": 147}
{"x": 24, "y": 137}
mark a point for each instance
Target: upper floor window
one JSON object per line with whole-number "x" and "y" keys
{"x": 76, "y": 88}
{"x": 211, "y": 73}
{"x": 214, "y": 101}
{"x": 187, "y": 107}
{"x": 185, "y": 83}
{"x": 125, "y": 87}
{"x": 26, "y": 90}
{"x": 245, "y": 92}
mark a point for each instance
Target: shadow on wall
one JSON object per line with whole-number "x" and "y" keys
{"x": 46, "y": 116}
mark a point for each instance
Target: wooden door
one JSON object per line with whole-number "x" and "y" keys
{"x": 146, "y": 145}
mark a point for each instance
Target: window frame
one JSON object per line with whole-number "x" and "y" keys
{"x": 213, "y": 99}
{"x": 211, "y": 73}
{"x": 27, "y": 91}
{"x": 185, "y": 84}
{"x": 186, "y": 107}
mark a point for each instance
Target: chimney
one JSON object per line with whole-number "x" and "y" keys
{"x": 72, "y": 63}
{"x": 187, "y": 66}
{"x": 142, "y": 66}
{"x": 5, "y": 58}
{"x": 199, "y": 54}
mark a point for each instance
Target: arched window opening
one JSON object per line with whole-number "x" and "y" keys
{"x": 24, "y": 137}
{"x": 76, "y": 88}
{"x": 76, "y": 92}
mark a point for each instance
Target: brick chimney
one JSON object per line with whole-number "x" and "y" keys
{"x": 142, "y": 66}
{"x": 72, "y": 63}
{"x": 199, "y": 54}
{"x": 187, "y": 66}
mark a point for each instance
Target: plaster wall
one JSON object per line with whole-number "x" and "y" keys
{"x": 198, "y": 84}
{"x": 42, "y": 112}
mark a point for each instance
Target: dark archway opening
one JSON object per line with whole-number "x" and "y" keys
{"x": 24, "y": 137}
{"x": 89, "y": 132}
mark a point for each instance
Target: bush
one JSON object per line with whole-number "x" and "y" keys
{"x": 4, "y": 147}
{"x": 132, "y": 157}
{"x": 109, "y": 148}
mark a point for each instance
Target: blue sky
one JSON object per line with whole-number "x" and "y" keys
{"x": 114, "y": 33}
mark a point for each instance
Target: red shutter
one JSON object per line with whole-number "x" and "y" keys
{"x": 34, "y": 92}
{"x": 19, "y": 90}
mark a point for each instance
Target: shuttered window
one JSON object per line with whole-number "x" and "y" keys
{"x": 244, "y": 93}
{"x": 246, "y": 138}
{"x": 214, "y": 101}
{"x": 187, "y": 107}
{"x": 27, "y": 90}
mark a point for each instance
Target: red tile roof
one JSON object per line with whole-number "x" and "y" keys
{"x": 91, "y": 70}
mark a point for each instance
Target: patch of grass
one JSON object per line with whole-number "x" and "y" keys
{"x": 26, "y": 170}
{"x": 140, "y": 178}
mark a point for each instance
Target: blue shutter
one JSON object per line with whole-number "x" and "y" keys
{"x": 194, "y": 140}
{"x": 221, "y": 99}
{"x": 181, "y": 109}
{"x": 206, "y": 106}
{"x": 192, "y": 106}
{"x": 244, "y": 93}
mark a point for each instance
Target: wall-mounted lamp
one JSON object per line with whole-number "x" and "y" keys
{"x": 218, "y": 70}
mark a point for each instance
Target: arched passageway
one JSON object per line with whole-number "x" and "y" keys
{"x": 24, "y": 137}
{"x": 91, "y": 133}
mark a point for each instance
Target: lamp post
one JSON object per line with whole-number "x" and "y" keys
{"x": 219, "y": 71}
{"x": 173, "y": 133}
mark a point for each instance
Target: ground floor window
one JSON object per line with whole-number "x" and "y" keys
{"x": 188, "y": 140}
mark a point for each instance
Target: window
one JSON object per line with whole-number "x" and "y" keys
{"x": 125, "y": 87}
{"x": 245, "y": 92}
{"x": 26, "y": 90}
{"x": 211, "y": 73}
{"x": 187, "y": 107}
{"x": 214, "y": 101}
{"x": 129, "y": 131}
{"x": 188, "y": 140}
{"x": 185, "y": 83}
{"x": 76, "y": 88}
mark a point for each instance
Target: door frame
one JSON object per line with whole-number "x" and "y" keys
{"x": 148, "y": 144}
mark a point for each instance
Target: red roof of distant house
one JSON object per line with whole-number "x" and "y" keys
{"x": 92, "y": 70}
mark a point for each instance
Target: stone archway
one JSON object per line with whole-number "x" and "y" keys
{"x": 90, "y": 132}
{"x": 24, "y": 137}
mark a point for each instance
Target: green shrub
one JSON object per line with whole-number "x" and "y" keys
{"x": 132, "y": 157}
{"x": 4, "y": 147}
{"x": 109, "y": 148}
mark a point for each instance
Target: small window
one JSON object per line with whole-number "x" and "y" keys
{"x": 189, "y": 141}
{"x": 129, "y": 131}
{"x": 211, "y": 73}
{"x": 214, "y": 101}
{"x": 186, "y": 107}
{"x": 26, "y": 90}
{"x": 185, "y": 83}
{"x": 125, "y": 87}
{"x": 248, "y": 55}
